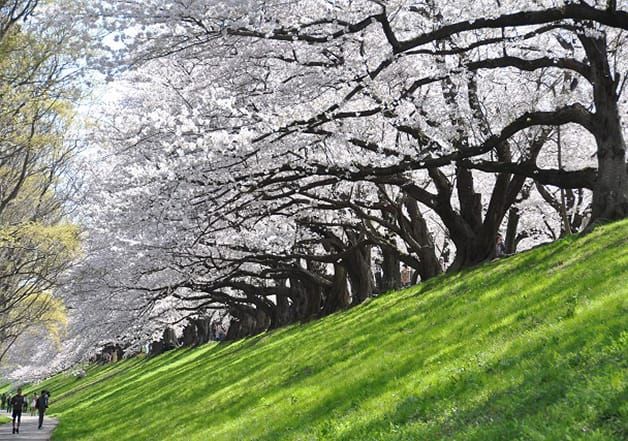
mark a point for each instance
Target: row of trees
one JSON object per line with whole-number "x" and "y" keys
{"x": 37, "y": 243}
{"x": 282, "y": 161}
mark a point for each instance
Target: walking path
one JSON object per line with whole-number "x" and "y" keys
{"x": 28, "y": 429}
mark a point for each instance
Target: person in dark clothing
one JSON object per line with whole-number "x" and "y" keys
{"x": 500, "y": 246}
{"x": 42, "y": 405}
{"x": 4, "y": 401}
{"x": 17, "y": 402}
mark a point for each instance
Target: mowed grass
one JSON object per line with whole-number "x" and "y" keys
{"x": 533, "y": 347}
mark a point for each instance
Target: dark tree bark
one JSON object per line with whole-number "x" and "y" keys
{"x": 610, "y": 181}
{"x": 203, "y": 329}
{"x": 263, "y": 320}
{"x": 610, "y": 194}
{"x": 314, "y": 301}
{"x": 169, "y": 339}
{"x": 308, "y": 296}
{"x": 425, "y": 252}
{"x": 391, "y": 263}
{"x": 243, "y": 323}
{"x": 284, "y": 314}
{"x": 299, "y": 307}
{"x": 512, "y": 227}
{"x": 358, "y": 265}
{"x": 190, "y": 335}
{"x": 337, "y": 297}
{"x": 391, "y": 269}
{"x": 156, "y": 348}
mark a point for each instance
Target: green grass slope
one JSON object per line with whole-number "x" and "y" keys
{"x": 533, "y": 347}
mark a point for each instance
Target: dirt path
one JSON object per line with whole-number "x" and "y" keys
{"x": 28, "y": 429}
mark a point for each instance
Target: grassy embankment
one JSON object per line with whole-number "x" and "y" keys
{"x": 533, "y": 347}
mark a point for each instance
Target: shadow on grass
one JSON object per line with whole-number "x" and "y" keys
{"x": 470, "y": 354}
{"x": 541, "y": 399}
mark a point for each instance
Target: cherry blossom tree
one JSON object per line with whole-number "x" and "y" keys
{"x": 262, "y": 157}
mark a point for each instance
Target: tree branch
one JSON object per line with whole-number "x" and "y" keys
{"x": 584, "y": 178}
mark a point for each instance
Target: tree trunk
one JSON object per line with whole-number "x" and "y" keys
{"x": 242, "y": 324}
{"x": 360, "y": 274}
{"x": 390, "y": 266}
{"x": 473, "y": 250}
{"x": 308, "y": 296}
{"x": 156, "y": 348}
{"x": 511, "y": 230}
{"x": 169, "y": 339}
{"x": 236, "y": 323}
{"x": 264, "y": 320}
{"x": 610, "y": 193}
{"x": 284, "y": 315}
{"x": 476, "y": 243}
{"x": 314, "y": 301}
{"x": 391, "y": 274}
{"x": 426, "y": 252}
{"x": 202, "y": 329}
{"x": 190, "y": 335}
{"x": 337, "y": 297}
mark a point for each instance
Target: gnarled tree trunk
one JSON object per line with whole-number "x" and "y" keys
{"x": 337, "y": 297}
{"x": 425, "y": 250}
{"x": 358, "y": 265}
{"x": 391, "y": 269}
{"x": 610, "y": 193}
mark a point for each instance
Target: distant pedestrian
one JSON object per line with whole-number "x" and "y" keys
{"x": 33, "y": 404}
{"x": 213, "y": 331}
{"x": 3, "y": 399}
{"x": 500, "y": 246}
{"x": 379, "y": 280}
{"x": 42, "y": 405}
{"x": 406, "y": 276}
{"x": 220, "y": 332}
{"x": 9, "y": 405}
{"x": 17, "y": 403}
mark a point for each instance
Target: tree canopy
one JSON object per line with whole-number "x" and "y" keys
{"x": 276, "y": 162}
{"x": 37, "y": 241}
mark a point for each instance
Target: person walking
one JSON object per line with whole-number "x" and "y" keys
{"x": 500, "y": 246}
{"x": 406, "y": 276}
{"x": 17, "y": 403}
{"x": 33, "y": 404}
{"x": 42, "y": 405}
